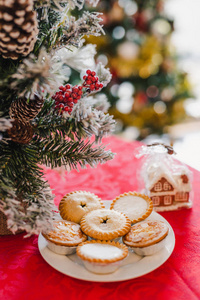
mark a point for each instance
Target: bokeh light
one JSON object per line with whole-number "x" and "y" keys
{"x": 161, "y": 26}
{"x": 118, "y": 32}
{"x": 128, "y": 50}
{"x": 152, "y": 91}
{"x": 160, "y": 107}
{"x": 130, "y": 8}
{"x": 114, "y": 90}
{"x": 102, "y": 59}
{"x": 157, "y": 59}
{"x": 132, "y": 35}
{"x": 126, "y": 89}
{"x": 124, "y": 105}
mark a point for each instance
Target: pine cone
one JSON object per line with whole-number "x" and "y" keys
{"x": 20, "y": 132}
{"x": 24, "y": 109}
{"x": 18, "y": 28}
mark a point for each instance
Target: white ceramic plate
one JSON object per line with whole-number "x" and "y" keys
{"x": 134, "y": 265}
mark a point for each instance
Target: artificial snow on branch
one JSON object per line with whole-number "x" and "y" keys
{"x": 74, "y": 30}
{"x": 93, "y": 121}
{"x": 103, "y": 74}
{"x": 99, "y": 102}
{"x": 52, "y": 120}
{"x": 58, "y": 3}
{"x": 34, "y": 76}
{"x": 79, "y": 59}
{"x": 4, "y": 124}
{"x": 32, "y": 218}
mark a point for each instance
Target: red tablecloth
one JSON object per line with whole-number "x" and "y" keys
{"x": 25, "y": 275}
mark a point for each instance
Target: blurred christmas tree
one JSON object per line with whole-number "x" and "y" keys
{"x": 43, "y": 118}
{"x": 147, "y": 89}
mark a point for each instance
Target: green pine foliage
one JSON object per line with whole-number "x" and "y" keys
{"x": 58, "y": 140}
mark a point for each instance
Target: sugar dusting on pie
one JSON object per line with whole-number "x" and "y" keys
{"x": 75, "y": 205}
{"x": 105, "y": 224}
{"x": 65, "y": 233}
{"x": 146, "y": 233}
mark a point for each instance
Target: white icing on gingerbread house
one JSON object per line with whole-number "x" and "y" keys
{"x": 168, "y": 186}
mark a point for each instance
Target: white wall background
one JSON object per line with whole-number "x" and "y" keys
{"x": 186, "y": 38}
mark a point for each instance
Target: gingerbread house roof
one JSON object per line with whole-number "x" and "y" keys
{"x": 181, "y": 186}
{"x": 174, "y": 177}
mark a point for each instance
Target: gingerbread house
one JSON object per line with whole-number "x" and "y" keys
{"x": 168, "y": 188}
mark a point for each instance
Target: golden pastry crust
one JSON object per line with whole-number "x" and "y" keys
{"x": 75, "y": 205}
{"x": 65, "y": 233}
{"x": 146, "y": 233}
{"x": 100, "y": 260}
{"x": 105, "y": 224}
{"x": 135, "y": 205}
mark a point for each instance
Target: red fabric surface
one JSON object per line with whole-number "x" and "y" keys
{"x": 25, "y": 275}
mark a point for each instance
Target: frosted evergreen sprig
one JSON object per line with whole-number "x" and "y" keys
{"x": 93, "y": 121}
{"x": 58, "y": 3}
{"x": 74, "y": 30}
{"x": 93, "y": 2}
{"x": 72, "y": 154}
{"x": 34, "y": 75}
{"x": 103, "y": 74}
{"x": 79, "y": 59}
{"x": 57, "y": 140}
{"x": 99, "y": 102}
{"x": 4, "y": 124}
{"x": 35, "y": 217}
{"x": 79, "y": 3}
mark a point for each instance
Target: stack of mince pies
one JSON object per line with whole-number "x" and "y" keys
{"x": 102, "y": 237}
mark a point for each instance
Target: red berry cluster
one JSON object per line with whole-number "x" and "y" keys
{"x": 68, "y": 95}
{"x": 91, "y": 82}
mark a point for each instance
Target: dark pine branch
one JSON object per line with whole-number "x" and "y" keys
{"x": 72, "y": 154}
{"x": 19, "y": 165}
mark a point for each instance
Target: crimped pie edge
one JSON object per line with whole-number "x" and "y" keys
{"x": 105, "y": 235}
{"x": 65, "y": 243}
{"x": 62, "y": 203}
{"x": 98, "y": 260}
{"x": 145, "y": 197}
{"x": 129, "y": 244}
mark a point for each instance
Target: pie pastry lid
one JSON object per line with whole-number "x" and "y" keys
{"x": 105, "y": 224}
{"x": 135, "y": 206}
{"x": 64, "y": 234}
{"x": 118, "y": 239}
{"x": 73, "y": 206}
{"x": 147, "y": 237}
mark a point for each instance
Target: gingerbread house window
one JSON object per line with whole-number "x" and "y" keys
{"x": 158, "y": 186}
{"x": 167, "y": 200}
{"x": 181, "y": 196}
{"x": 156, "y": 200}
{"x": 166, "y": 186}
